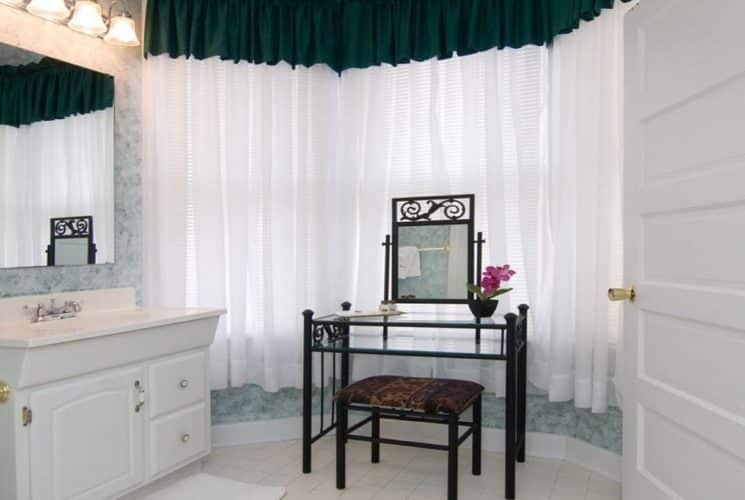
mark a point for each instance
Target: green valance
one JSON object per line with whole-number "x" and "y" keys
{"x": 355, "y": 33}
{"x": 49, "y": 90}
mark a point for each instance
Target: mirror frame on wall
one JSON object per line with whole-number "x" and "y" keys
{"x": 96, "y": 195}
{"x": 432, "y": 211}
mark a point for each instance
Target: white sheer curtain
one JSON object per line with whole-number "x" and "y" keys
{"x": 577, "y": 329}
{"x": 267, "y": 191}
{"x": 55, "y": 168}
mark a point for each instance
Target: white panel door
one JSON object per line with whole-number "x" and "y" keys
{"x": 684, "y": 399}
{"x": 87, "y": 437}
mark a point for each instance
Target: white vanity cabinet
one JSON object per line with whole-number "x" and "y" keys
{"x": 96, "y": 412}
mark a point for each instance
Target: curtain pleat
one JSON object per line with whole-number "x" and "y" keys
{"x": 355, "y": 33}
{"x": 50, "y": 90}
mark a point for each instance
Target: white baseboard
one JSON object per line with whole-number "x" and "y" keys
{"x": 538, "y": 444}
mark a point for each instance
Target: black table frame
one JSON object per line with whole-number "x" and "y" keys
{"x": 331, "y": 334}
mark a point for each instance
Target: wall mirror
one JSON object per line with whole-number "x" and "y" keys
{"x": 432, "y": 248}
{"x": 56, "y": 162}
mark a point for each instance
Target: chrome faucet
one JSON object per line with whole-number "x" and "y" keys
{"x": 49, "y": 312}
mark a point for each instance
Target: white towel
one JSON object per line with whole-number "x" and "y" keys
{"x": 408, "y": 262}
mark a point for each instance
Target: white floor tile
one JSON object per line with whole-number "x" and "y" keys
{"x": 402, "y": 474}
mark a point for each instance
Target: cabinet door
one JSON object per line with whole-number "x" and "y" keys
{"x": 87, "y": 437}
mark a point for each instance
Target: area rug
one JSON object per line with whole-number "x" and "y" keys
{"x": 205, "y": 486}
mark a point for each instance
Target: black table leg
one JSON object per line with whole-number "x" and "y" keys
{"x": 307, "y": 387}
{"x": 510, "y": 434}
{"x": 345, "y": 306}
{"x": 522, "y": 382}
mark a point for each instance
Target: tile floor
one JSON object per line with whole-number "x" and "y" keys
{"x": 403, "y": 473}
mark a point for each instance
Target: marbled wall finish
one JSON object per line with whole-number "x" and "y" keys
{"x": 251, "y": 403}
{"x": 20, "y": 29}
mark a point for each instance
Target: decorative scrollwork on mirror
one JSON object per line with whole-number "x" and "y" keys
{"x": 433, "y": 208}
{"x": 72, "y": 226}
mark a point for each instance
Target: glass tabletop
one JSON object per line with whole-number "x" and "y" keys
{"x": 416, "y": 320}
{"x": 461, "y": 345}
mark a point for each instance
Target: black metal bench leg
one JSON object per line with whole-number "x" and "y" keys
{"x": 453, "y": 457}
{"x": 375, "y": 452}
{"x": 341, "y": 443}
{"x": 476, "y": 450}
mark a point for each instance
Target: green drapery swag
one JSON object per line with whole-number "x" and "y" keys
{"x": 50, "y": 90}
{"x": 355, "y": 33}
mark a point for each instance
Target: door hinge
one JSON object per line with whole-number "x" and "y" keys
{"x": 26, "y": 416}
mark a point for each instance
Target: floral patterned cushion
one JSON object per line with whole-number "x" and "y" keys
{"x": 430, "y": 395}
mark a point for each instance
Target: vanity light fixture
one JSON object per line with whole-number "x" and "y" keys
{"x": 87, "y": 17}
{"x": 53, "y": 10}
{"x": 122, "y": 30}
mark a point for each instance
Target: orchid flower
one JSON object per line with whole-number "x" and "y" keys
{"x": 491, "y": 281}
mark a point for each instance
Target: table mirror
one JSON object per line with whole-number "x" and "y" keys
{"x": 432, "y": 248}
{"x": 56, "y": 162}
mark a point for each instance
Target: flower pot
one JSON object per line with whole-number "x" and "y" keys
{"x": 482, "y": 308}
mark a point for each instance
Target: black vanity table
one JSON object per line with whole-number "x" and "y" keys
{"x": 441, "y": 228}
{"x": 498, "y": 341}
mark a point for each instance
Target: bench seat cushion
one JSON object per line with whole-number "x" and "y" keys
{"x": 430, "y": 395}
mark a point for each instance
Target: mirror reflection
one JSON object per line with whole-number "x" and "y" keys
{"x": 56, "y": 161}
{"x": 432, "y": 261}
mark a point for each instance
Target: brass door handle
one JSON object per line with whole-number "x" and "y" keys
{"x": 622, "y": 294}
{"x": 5, "y": 392}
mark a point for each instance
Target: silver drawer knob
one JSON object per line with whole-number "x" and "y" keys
{"x": 185, "y": 438}
{"x": 183, "y": 384}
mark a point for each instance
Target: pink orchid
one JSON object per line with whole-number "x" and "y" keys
{"x": 491, "y": 281}
{"x": 501, "y": 273}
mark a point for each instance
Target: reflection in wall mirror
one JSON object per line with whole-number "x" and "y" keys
{"x": 71, "y": 242}
{"x": 432, "y": 248}
{"x": 56, "y": 160}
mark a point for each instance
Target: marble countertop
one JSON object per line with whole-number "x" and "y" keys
{"x": 24, "y": 334}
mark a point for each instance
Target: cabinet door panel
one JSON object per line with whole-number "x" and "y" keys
{"x": 87, "y": 438}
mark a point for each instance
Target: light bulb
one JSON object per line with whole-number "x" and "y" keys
{"x": 86, "y": 18}
{"x": 54, "y": 10}
{"x": 122, "y": 31}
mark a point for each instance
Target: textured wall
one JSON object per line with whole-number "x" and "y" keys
{"x": 23, "y": 30}
{"x": 251, "y": 403}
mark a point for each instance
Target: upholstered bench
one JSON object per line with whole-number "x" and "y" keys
{"x": 410, "y": 398}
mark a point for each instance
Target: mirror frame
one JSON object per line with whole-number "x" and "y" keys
{"x": 432, "y": 211}
{"x": 61, "y": 228}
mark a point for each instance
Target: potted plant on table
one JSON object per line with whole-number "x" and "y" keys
{"x": 483, "y": 304}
